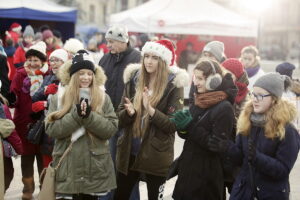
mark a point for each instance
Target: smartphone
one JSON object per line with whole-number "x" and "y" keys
{"x": 85, "y": 94}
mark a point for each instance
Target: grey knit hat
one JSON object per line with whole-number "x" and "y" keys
{"x": 117, "y": 32}
{"x": 216, "y": 48}
{"x": 273, "y": 83}
{"x": 28, "y": 31}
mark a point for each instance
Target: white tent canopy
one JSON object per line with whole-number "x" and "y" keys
{"x": 199, "y": 17}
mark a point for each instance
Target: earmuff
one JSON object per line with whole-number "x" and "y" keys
{"x": 214, "y": 80}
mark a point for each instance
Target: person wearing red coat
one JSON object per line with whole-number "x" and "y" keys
{"x": 26, "y": 82}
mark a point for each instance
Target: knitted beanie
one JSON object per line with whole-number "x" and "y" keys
{"x": 59, "y": 53}
{"x": 47, "y": 34}
{"x": 73, "y": 45}
{"x": 117, "y": 32}
{"x": 285, "y": 69}
{"x": 216, "y": 48}
{"x": 162, "y": 48}
{"x": 234, "y": 66}
{"x": 28, "y": 32}
{"x": 82, "y": 60}
{"x": 273, "y": 83}
{"x": 38, "y": 50}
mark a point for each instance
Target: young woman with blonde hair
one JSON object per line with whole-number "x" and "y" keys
{"x": 81, "y": 119}
{"x": 153, "y": 92}
{"x": 267, "y": 143}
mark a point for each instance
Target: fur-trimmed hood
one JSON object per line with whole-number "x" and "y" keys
{"x": 282, "y": 113}
{"x": 181, "y": 77}
{"x": 64, "y": 74}
{"x": 295, "y": 87}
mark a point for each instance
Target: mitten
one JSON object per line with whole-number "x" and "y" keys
{"x": 39, "y": 106}
{"x": 182, "y": 119}
{"x": 51, "y": 89}
{"x": 87, "y": 111}
{"x": 218, "y": 143}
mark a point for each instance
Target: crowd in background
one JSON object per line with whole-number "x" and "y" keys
{"x": 117, "y": 102}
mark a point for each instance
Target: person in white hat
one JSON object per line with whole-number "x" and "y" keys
{"x": 73, "y": 45}
{"x": 25, "y": 84}
{"x": 41, "y": 98}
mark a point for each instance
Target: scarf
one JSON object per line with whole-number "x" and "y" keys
{"x": 209, "y": 99}
{"x": 251, "y": 71}
{"x": 258, "y": 119}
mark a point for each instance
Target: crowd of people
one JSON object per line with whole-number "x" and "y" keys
{"x": 105, "y": 117}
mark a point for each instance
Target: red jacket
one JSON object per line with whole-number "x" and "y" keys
{"x": 22, "y": 112}
{"x": 19, "y": 57}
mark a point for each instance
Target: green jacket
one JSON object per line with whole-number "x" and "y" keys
{"x": 156, "y": 151}
{"x": 88, "y": 168}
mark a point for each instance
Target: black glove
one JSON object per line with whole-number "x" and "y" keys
{"x": 218, "y": 143}
{"x": 88, "y": 108}
{"x": 251, "y": 150}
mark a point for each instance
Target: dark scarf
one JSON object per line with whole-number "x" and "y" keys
{"x": 209, "y": 99}
{"x": 257, "y": 119}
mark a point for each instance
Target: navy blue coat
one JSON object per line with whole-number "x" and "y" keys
{"x": 47, "y": 142}
{"x": 114, "y": 65}
{"x": 39, "y": 95}
{"x": 271, "y": 167}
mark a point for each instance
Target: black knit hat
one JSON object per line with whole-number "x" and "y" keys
{"x": 285, "y": 69}
{"x": 82, "y": 60}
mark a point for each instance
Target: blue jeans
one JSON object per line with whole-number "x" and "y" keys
{"x": 135, "y": 194}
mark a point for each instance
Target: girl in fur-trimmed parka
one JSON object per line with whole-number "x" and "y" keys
{"x": 153, "y": 92}
{"x": 81, "y": 118}
{"x": 267, "y": 143}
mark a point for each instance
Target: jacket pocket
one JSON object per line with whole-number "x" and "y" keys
{"x": 100, "y": 160}
{"x": 62, "y": 170}
{"x": 160, "y": 145}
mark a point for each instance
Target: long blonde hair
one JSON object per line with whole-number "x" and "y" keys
{"x": 160, "y": 84}
{"x": 71, "y": 97}
{"x": 279, "y": 114}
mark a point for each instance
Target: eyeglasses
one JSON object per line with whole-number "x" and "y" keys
{"x": 55, "y": 60}
{"x": 259, "y": 97}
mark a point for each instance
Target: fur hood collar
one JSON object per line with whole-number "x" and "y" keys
{"x": 282, "y": 113}
{"x": 64, "y": 74}
{"x": 181, "y": 77}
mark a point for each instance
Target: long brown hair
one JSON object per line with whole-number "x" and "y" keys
{"x": 279, "y": 114}
{"x": 160, "y": 84}
{"x": 71, "y": 97}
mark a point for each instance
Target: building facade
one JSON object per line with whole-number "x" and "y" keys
{"x": 279, "y": 27}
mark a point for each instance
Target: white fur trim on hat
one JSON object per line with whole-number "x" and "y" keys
{"x": 73, "y": 45}
{"x": 40, "y": 46}
{"x": 60, "y": 53}
{"x": 17, "y": 29}
{"x": 160, "y": 50}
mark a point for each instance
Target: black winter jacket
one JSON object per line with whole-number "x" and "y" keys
{"x": 114, "y": 65}
{"x": 200, "y": 174}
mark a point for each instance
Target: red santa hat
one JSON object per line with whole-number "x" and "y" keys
{"x": 15, "y": 27}
{"x": 162, "y": 48}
